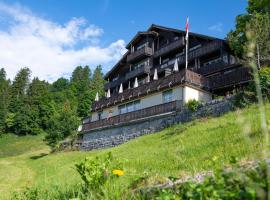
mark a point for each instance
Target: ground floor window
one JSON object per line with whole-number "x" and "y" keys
{"x": 100, "y": 115}
{"x": 129, "y": 107}
{"x": 167, "y": 96}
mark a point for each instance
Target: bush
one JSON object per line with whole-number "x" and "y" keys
{"x": 236, "y": 183}
{"x": 248, "y": 95}
{"x": 193, "y": 105}
{"x": 96, "y": 172}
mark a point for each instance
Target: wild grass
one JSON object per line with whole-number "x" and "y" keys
{"x": 174, "y": 152}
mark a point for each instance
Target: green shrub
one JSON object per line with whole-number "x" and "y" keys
{"x": 236, "y": 183}
{"x": 95, "y": 172}
{"x": 193, "y": 105}
{"x": 248, "y": 95}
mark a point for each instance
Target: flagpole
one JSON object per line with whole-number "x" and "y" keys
{"x": 187, "y": 30}
{"x": 187, "y": 53}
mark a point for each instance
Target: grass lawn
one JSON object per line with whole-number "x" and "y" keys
{"x": 176, "y": 151}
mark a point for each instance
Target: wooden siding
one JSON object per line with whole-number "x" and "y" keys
{"x": 139, "y": 54}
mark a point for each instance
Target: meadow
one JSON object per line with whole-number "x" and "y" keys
{"x": 177, "y": 151}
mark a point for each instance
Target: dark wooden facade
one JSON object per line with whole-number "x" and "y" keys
{"x": 212, "y": 67}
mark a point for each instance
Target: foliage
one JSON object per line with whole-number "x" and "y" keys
{"x": 193, "y": 105}
{"x": 235, "y": 183}
{"x": 35, "y": 106}
{"x": 4, "y": 97}
{"x": 256, "y": 21}
{"x": 95, "y": 172}
{"x": 62, "y": 125}
{"x": 186, "y": 149}
{"x": 248, "y": 94}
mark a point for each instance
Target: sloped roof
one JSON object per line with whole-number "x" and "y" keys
{"x": 151, "y": 31}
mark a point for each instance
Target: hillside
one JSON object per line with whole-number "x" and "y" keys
{"x": 175, "y": 151}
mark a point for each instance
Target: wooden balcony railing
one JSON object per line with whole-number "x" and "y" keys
{"x": 138, "y": 114}
{"x": 134, "y": 56}
{"x": 204, "y": 50}
{"x": 237, "y": 76}
{"x": 115, "y": 83}
{"x": 168, "y": 48}
{"x": 153, "y": 86}
{"x": 213, "y": 68}
{"x": 138, "y": 71}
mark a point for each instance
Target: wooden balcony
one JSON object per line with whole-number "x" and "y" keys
{"x": 169, "y": 48}
{"x": 139, "y": 71}
{"x": 213, "y": 68}
{"x": 184, "y": 76}
{"x": 235, "y": 77}
{"x": 131, "y": 116}
{"x": 115, "y": 83}
{"x": 139, "y": 54}
{"x": 204, "y": 50}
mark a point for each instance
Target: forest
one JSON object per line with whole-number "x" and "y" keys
{"x": 39, "y": 107}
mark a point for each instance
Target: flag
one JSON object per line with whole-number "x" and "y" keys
{"x": 187, "y": 28}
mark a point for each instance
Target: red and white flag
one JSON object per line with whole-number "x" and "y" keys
{"x": 187, "y": 28}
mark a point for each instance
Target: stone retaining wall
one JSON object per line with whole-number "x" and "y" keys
{"x": 118, "y": 134}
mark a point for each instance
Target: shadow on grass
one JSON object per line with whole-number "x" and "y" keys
{"x": 39, "y": 156}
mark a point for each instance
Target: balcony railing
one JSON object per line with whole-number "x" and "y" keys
{"x": 237, "y": 76}
{"x": 170, "y": 47}
{"x": 135, "y": 115}
{"x": 138, "y": 54}
{"x": 206, "y": 49}
{"x": 213, "y": 68}
{"x": 138, "y": 71}
{"x": 115, "y": 83}
{"x": 153, "y": 86}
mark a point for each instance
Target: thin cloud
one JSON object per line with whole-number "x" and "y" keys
{"x": 48, "y": 48}
{"x": 216, "y": 27}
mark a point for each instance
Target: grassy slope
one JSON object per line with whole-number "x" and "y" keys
{"x": 176, "y": 151}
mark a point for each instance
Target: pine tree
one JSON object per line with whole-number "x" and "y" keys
{"x": 18, "y": 89}
{"x": 97, "y": 84}
{"x": 4, "y": 96}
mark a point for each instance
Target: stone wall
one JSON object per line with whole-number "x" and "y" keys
{"x": 118, "y": 134}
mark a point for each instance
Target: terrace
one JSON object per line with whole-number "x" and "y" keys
{"x": 184, "y": 76}
{"x": 135, "y": 115}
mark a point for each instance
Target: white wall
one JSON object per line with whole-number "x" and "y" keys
{"x": 199, "y": 95}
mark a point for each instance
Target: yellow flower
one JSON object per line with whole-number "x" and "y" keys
{"x": 118, "y": 172}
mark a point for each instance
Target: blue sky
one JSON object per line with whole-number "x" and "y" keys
{"x": 103, "y": 27}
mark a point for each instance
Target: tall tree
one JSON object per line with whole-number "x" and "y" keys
{"x": 98, "y": 81}
{"x": 81, "y": 81}
{"x": 40, "y": 102}
{"x": 19, "y": 88}
{"x": 4, "y": 96}
{"x": 256, "y": 20}
{"x": 62, "y": 125}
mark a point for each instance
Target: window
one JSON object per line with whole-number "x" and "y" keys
{"x": 129, "y": 107}
{"x": 122, "y": 109}
{"x": 142, "y": 46}
{"x": 100, "y": 115}
{"x": 167, "y": 96}
{"x": 140, "y": 64}
{"x": 176, "y": 38}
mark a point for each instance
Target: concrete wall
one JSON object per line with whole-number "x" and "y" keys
{"x": 118, "y": 134}
{"x": 179, "y": 92}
